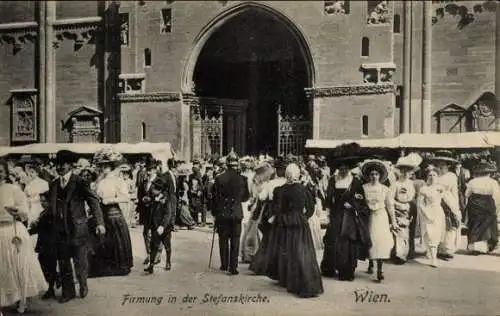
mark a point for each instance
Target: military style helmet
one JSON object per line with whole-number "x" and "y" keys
{"x": 232, "y": 158}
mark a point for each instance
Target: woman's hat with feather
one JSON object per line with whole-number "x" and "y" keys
{"x": 411, "y": 162}
{"x": 107, "y": 155}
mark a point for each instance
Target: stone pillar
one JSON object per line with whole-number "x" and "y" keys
{"x": 427, "y": 68}
{"x": 42, "y": 22}
{"x": 195, "y": 128}
{"x": 50, "y": 75}
{"x": 497, "y": 68}
{"x": 407, "y": 57}
{"x": 317, "y": 103}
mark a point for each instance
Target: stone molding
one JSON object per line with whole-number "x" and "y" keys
{"x": 149, "y": 97}
{"x": 17, "y": 34}
{"x": 80, "y": 30}
{"x": 339, "y": 91}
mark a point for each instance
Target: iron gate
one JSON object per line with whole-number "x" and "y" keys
{"x": 211, "y": 132}
{"x": 293, "y": 131}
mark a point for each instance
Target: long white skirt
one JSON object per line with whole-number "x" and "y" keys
{"x": 315, "y": 226}
{"x": 21, "y": 276}
{"x": 380, "y": 234}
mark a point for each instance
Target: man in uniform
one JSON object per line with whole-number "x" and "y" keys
{"x": 230, "y": 190}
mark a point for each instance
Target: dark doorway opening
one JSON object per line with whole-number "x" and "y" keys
{"x": 255, "y": 57}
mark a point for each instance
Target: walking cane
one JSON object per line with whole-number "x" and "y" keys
{"x": 212, "y": 248}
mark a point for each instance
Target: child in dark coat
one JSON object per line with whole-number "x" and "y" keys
{"x": 45, "y": 246}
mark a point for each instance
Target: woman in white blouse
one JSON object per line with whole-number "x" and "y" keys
{"x": 114, "y": 254}
{"x": 483, "y": 203}
{"x": 21, "y": 276}
{"x": 381, "y": 205}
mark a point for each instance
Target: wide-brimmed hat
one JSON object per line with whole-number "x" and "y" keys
{"x": 484, "y": 167}
{"x": 443, "y": 156}
{"x": 412, "y": 162}
{"x": 350, "y": 161}
{"x": 368, "y": 166}
{"x": 29, "y": 160}
{"x": 65, "y": 156}
{"x": 107, "y": 155}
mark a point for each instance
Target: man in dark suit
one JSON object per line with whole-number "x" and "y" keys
{"x": 161, "y": 221}
{"x": 172, "y": 189}
{"x": 143, "y": 199}
{"x": 230, "y": 190}
{"x": 68, "y": 194}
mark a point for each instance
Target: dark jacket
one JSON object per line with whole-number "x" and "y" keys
{"x": 44, "y": 227}
{"x": 170, "y": 193}
{"x": 230, "y": 190}
{"x": 71, "y": 212}
{"x": 161, "y": 213}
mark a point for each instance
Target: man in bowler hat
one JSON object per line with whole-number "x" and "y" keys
{"x": 68, "y": 194}
{"x": 230, "y": 190}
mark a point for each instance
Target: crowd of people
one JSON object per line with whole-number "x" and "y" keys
{"x": 76, "y": 215}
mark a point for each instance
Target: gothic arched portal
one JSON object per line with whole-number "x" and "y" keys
{"x": 250, "y": 63}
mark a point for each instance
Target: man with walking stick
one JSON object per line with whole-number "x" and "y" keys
{"x": 230, "y": 190}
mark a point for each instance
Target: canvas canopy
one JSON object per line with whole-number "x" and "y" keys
{"x": 427, "y": 141}
{"x": 160, "y": 151}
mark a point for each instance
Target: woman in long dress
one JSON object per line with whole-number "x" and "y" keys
{"x": 296, "y": 265}
{"x": 251, "y": 239}
{"x": 20, "y": 273}
{"x": 347, "y": 238}
{"x": 453, "y": 217}
{"x": 114, "y": 255}
{"x": 381, "y": 206}
{"x": 431, "y": 214}
{"x": 262, "y": 217}
{"x": 314, "y": 220}
{"x": 483, "y": 203}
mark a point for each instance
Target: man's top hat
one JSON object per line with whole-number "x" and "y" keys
{"x": 66, "y": 156}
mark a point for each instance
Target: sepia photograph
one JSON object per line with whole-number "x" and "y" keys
{"x": 205, "y": 157}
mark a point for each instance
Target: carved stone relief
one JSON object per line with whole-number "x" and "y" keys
{"x": 24, "y": 116}
{"x": 81, "y": 31}
{"x": 336, "y": 7}
{"x": 378, "y": 12}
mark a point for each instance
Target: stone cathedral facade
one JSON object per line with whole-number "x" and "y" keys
{"x": 253, "y": 76}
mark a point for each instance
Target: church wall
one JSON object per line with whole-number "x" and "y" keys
{"x": 17, "y": 71}
{"x": 76, "y": 9}
{"x": 17, "y": 11}
{"x": 463, "y": 59}
{"x": 77, "y": 81}
{"x": 163, "y": 122}
{"x": 341, "y": 117}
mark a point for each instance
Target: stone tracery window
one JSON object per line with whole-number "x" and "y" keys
{"x": 166, "y": 21}
{"x": 124, "y": 29}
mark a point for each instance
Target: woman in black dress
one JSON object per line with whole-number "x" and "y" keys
{"x": 347, "y": 239}
{"x": 293, "y": 262}
{"x": 113, "y": 255}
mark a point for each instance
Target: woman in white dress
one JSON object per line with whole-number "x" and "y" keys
{"x": 381, "y": 205}
{"x": 431, "y": 213}
{"x": 20, "y": 273}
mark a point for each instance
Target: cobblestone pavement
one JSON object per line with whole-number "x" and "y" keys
{"x": 465, "y": 286}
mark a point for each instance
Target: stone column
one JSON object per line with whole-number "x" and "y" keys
{"x": 497, "y": 68}
{"x": 427, "y": 67}
{"x": 195, "y": 128}
{"x": 42, "y": 22}
{"x": 50, "y": 74}
{"x": 407, "y": 56}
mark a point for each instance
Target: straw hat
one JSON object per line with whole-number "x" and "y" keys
{"x": 484, "y": 167}
{"x": 412, "y": 161}
{"x": 375, "y": 164}
{"x": 444, "y": 156}
{"x": 107, "y": 155}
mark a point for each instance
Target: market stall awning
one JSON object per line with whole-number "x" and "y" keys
{"x": 429, "y": 141}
